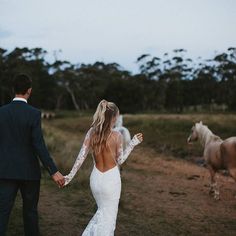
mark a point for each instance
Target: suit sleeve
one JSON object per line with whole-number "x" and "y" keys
{"x": 40, "y": 147}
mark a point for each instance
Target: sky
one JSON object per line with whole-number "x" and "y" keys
{"x": 118, "y": 30}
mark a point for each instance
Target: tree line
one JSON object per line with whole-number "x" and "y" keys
{"x": 172, "y": 82}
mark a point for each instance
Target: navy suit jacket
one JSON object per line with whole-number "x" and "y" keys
{"x": 21, "y": 143}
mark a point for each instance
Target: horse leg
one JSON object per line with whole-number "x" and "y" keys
{"x": 232, "y": 173}
{"x": 214, "y": 189}
{"x": 212, "y": 175}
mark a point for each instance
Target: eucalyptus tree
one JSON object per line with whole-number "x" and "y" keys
{"x": 31, "y": 62}
{"x": 177, "y": 68}
{"x": 226, "y": 73}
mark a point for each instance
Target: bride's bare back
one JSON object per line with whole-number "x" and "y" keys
{"x": 107, "y": 158}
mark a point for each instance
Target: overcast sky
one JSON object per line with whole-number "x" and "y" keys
{"x": 118, "y": 30}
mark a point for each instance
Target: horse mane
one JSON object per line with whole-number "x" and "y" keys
{"x": 205, "y": 134}
{"x": 216, "y": 138}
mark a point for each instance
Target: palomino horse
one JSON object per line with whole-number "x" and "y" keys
{"x": 218, "y": 153}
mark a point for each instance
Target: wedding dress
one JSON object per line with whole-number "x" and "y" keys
{"x": 105, "y": 186}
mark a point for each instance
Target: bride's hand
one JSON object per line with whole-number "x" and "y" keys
{"x": 139, "y": 137}
{"x": 66, "y": 180}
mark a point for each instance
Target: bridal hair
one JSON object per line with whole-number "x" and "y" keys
{"x": 102, "y": 122}
{"x": 21, "y": 84}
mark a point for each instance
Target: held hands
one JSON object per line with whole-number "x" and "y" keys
{"x": 59, "y": 179}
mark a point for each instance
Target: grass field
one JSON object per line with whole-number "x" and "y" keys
{"x": 164, "y": 191}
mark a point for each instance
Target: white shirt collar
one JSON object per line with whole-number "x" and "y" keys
{"x": 20, "y": 99}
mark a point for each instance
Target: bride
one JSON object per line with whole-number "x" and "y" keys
{"x": 107, "y": 150}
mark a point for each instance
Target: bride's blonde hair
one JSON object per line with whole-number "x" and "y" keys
{"x": 101, "y": 126}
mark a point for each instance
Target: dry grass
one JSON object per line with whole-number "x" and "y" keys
{"x": 162, "y": 195}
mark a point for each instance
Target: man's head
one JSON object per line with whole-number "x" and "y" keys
{"x": 22, "y": 86}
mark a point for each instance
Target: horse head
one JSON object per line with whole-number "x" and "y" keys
{"x": 194, "y": 135}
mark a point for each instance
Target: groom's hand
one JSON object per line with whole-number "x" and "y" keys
{"x": 59, "y": 179}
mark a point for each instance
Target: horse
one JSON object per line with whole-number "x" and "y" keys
{"x": 48, "y": 115}
{"x": 218, "y": 154}
{"x": 124, "y": 131}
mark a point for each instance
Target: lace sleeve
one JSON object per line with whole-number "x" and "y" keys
{"x": 80, "y": 158}
{"x": 123, "y": 155}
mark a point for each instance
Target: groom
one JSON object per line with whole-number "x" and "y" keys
{"x": 21, "y": 143}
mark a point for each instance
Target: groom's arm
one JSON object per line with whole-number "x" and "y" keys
{"x": 40, "y": 147}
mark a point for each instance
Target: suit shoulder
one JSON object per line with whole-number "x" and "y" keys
{"x": 5, "y": 107}
{"x": 34, "y": 110}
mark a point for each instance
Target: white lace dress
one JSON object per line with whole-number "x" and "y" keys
{"x": 106, "y": 188}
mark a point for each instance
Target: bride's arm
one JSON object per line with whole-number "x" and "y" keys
{"x": 80, "y": 158}
{"x": 123, "y": 155}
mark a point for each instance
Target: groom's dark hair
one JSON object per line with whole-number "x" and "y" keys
{"x": 21, "y": 84}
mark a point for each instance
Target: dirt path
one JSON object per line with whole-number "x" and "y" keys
{"x": 177, "y": 196}
{"x": 161, "y": 196}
